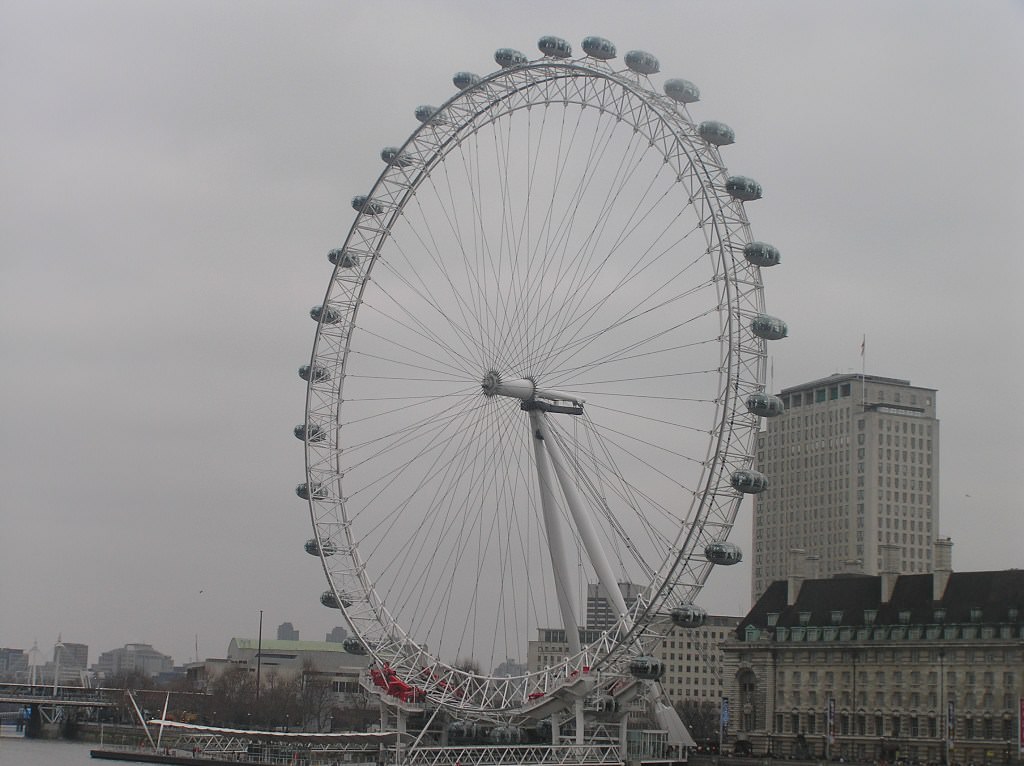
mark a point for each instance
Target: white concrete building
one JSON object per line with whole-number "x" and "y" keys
{"x": 852, "y": 464}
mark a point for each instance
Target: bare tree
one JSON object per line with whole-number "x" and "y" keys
{"x": 316, "y": 698}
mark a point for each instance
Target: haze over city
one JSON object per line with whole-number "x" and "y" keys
{"x": 174, "y": 175}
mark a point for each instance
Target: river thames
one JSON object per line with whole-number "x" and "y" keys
{"x": 18, "y": 751}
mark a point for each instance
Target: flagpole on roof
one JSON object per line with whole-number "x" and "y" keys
{"x": 863, "y": 374}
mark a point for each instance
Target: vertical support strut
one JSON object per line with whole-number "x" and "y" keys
{"x": 584, "y": 524}
{"x": 556, "y": 544}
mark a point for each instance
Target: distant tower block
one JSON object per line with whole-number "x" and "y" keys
{"x": 287, "y": 632}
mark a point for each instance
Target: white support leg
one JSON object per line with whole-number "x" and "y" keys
{"x": 556, "y": 545}
{"x": 584, "y": 524}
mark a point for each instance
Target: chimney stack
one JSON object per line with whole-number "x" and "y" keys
{"x": 943, "y": 567}
{"x": 890, "y": 569}
{"x": 812, "y": 566}
{"x": 796, "y": 574}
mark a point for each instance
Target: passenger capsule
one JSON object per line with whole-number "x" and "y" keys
{"x": 768, "y": 327}
{"x": 395, "y": 158}
{"x": 555, "y": 47}
{"x": 762, "y": 254}
{"x": 316, "y": 373}
{"x": 748, "y": 481}
{"x": 723, "y": 553}
{"x": 463, "y": 732}
{"x": 646, "y": 668}
{"x": 683, "y": 91}
{"x": 743, "y": 188}
{"x": 353, "y": 646}
{"x": 506, "y": 735}
{"x": 363, "y": 204}
{"x": 765, "y": 405}
{"x": 425, "y": 113}
{"x": 464, "y": 80}
{"x": 642, "y": 62}
{"x": 507, "y": 57}
{"x": 343, "y": 258}
{"x": 311, "y": 433}
{"x": 329, "y": 315}
{"x": 599, "y": 48}
{"x": 717, "y": 133}
{"x": 315, "y": 490}
{"x": 327, "y": 599}
{"x": 689, "y": 616}
{"x": 315, "y": 549}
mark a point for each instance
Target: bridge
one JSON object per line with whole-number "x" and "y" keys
{"x": 50, "y": 702}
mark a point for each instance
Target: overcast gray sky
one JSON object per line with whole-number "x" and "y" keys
{"x": 172, "y": 175}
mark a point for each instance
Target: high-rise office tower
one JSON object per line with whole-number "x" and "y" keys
{"x": 852, "y": 464}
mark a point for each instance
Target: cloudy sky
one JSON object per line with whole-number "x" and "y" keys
{"x": 172, "y": 175}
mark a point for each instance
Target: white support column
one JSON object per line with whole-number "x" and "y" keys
{"x": 556, "y": 544}
{"x": 584, "y": 524}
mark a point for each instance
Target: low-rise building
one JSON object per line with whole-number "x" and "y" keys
{"x": 924, "y": 667}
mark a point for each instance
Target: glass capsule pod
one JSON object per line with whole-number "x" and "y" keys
{"x": 464, "y": 80}
{"x": 646, "y": 668}
{"x": 743, "y": 188}
{"x": 762, "y": 254}
{"x": 689, "y": 616}
{"x": 462, "y": 732}
{"x": 327, "y": 599}
{"x": 363, "y": 204}
{"x": 599, "y": 48}
{"x": 395, "y": 158}
{"x": 642, "y": 62}
{"x": 717, "y": 133}
{"x": 329, "y": 315}
{"x": 343, "y": 258}
{"x": 765, "y": 405}
{"x": 353, "y": 646}
{"x": 314, "y": 373}
{"x": 748, "y": 481}
{"x": 425, "y": 113}
{"x": 683, "y": 91}
{"x": 506, "y": 735}
{"x": 315, "y": 490}
{"x": 555, "y": 47}
{"x": 508, "y": 57}
{"x": 312, "y": 433}
{"x": 313, "y": 548}
{"x": 723, "y": 553}
{"x": 768, "y": 327}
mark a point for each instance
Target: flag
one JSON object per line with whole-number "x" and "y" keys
{"x": 863, "y": 343}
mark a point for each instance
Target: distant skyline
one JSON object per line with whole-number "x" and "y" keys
{"x": 174, "y": 174}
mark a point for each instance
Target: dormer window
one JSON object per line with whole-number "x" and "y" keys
{"x": 975, "y": 614}
{"x": 837, "y": 617}
{"x": 773, "y": 619}
{"x": 869, "y": 616}
{"x": 1012, "y": 613}
{"x": 940, "y": 616}
{"x": 805, "y": 618}
{"x": 904, "y": 617}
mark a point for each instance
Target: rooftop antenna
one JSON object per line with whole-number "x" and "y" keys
{"x": 863, "y": 374}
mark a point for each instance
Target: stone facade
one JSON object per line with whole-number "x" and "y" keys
{"x": 924, "y": 667}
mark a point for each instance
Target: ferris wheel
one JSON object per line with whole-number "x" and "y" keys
{"x": 536, "y": 379}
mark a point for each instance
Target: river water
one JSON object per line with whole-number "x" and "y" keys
{"x": 18, "y": 751}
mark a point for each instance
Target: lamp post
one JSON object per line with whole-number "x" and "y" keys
{"x": 259, "y": 656}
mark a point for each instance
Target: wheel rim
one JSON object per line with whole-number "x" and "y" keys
{"x": 558, "y": 222}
